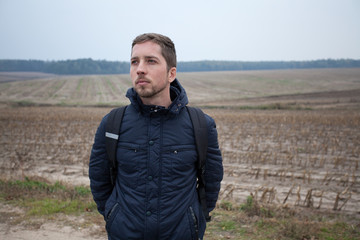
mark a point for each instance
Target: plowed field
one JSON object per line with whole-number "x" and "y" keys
{"x": 302, "y": 151}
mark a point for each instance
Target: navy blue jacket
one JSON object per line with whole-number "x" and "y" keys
{"x": 155, "y": 193}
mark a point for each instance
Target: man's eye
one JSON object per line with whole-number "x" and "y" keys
{"x": 151, "y": 61}
{"x": 133, "y": 62}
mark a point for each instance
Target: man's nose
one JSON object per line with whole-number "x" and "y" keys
{"x": 141, "y": 68}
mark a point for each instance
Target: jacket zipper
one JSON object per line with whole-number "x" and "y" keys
{"x": 195, "y": 223}
{"x": 112, "y": 211}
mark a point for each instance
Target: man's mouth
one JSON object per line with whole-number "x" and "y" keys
{"x": 142, "y": 81}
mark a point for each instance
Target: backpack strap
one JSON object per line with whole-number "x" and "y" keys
{"x": 112, "y": 131}
{"x": 198, "y": 120}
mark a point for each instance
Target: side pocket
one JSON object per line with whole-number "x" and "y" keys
{"x": 111, "y": 216}
{"x": 194, "y": 225}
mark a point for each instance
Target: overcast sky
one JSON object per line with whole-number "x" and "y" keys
{"x": 245, "y": 30}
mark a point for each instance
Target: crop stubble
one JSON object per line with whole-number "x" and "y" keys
{"x": 289, "y": 158}
{"x": 292, "y": 158}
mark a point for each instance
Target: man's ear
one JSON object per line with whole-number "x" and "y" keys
{"x": 172, "y": 74}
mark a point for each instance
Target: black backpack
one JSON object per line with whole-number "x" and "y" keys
{"x": 201, "y": 139}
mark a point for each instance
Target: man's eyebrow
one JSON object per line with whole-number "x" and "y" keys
{"x": 151, "y": 56}
{"x": 147, "y": 57}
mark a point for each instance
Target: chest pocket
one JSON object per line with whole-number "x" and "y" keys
{"x": 129, "y": 156}
{"x": 182, "y": 162}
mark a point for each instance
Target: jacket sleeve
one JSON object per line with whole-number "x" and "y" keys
{"x": 99, "y": 169}
{"x": 213, "y": 168}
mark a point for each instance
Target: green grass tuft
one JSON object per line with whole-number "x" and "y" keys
{"x": 43, "y": 199}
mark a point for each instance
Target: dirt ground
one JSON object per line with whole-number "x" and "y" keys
{"x": 293, "y": 152}
{"x": 13, "y": 227}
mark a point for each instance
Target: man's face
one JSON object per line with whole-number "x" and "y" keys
{"x": 148, "y": 72}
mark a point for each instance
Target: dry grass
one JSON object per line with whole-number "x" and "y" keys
{"x": 32, "y": 203}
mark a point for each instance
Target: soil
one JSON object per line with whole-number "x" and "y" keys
{"x": 54, "y": 143}
{"x": 14, "y": 227}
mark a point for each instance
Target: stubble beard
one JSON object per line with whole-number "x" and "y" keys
{"x": 146, "y": 92}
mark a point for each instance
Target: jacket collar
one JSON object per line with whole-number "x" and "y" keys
{"x": 178, "y": 97}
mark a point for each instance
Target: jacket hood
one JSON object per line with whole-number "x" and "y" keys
{"x": 178, "y": 97}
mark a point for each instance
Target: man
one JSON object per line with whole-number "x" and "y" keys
{"x": 155, "y": 195}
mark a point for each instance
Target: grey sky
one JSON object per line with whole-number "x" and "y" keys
{"x": 247, "y": 30}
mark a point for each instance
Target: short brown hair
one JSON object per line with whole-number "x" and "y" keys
{"x": 167, "y": 46}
